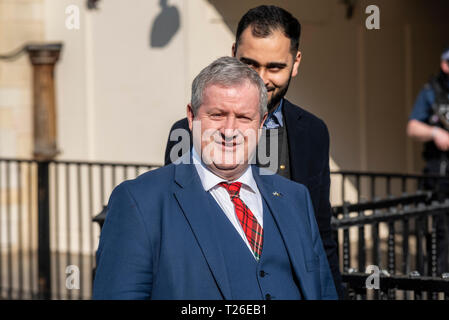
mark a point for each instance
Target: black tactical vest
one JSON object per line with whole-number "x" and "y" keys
{"x": 439, "y": 118}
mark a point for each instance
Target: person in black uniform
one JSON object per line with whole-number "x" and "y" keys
{"x": 429, "y": 123}
{"x": 267, "y": 39}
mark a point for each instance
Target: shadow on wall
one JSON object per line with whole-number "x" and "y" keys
{"x": 164, "y": 26}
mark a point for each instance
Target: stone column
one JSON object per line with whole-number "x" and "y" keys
{"x": 43, "y": 58}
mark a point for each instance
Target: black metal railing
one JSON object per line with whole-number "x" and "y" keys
{"x": 390, "y": 225}
{"x": 47, "y": 237}
{"x": 410, "y": 287}
{"x": 18, "y": 235}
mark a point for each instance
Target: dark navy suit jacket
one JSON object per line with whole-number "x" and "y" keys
{"x": 308, "y": 141}
{"x": 158, "y": 242}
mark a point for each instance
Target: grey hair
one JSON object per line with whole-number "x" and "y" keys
{"x": 227, "y": 71}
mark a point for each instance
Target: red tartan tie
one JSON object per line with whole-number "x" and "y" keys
{"x": 252, "y": 229}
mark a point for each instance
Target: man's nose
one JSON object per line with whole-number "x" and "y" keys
{"x": 263, "y": 74}
{"x": 229, "y": 123}
{"x": 229, "y": 128}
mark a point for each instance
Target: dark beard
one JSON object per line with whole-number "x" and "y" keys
{"x": 277, "y": 97}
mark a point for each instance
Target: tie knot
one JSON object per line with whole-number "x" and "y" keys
{"x": 272, "y": 122}
{"x": 232, "y": 188}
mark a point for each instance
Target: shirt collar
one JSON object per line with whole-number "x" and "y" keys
{"x": 210, "y": 180}
{"x": 276, "y": 114}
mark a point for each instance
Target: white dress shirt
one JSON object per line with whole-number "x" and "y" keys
{"x": 249, "y": 193}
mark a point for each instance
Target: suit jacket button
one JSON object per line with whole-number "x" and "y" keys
{"x": 268, "y": 296}
{"x": 262, "y": 273}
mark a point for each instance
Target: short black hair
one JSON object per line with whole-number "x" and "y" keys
{"x": 444, "y": 53}
{"x": 263, "y": 20}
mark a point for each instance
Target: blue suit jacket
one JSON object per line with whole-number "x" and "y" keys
{"x": 158, "y": 240}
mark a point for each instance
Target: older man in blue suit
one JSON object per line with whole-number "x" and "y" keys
{"x": 267, "y": 39}
{"x": 212, "y": 226}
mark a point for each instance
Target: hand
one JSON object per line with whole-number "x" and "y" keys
{"x": 441, "y": 138}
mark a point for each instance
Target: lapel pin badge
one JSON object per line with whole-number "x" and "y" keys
{"x": 277, "y": 194}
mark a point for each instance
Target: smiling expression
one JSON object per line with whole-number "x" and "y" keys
{"x": 226, "y": 126}
{"x": 271, "y": 57}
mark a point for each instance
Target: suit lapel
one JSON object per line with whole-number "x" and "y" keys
{"x": 297, "y": 140}
{"x": 196, "y": 207}
{"x": 283, "y": 216}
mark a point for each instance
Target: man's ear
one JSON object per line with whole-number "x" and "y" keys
{"x": 263, "y": 120}
{"x": 296, "y": 63}
{"x": 233, "y": 50}
{"x": 190, "y": 116}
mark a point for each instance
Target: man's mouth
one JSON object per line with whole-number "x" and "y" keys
{"x": 229, "y": 144}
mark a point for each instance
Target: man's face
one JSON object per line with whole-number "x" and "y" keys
{"x": 445, "y": 66}
{"x": 225, "y": 128}
{"x": 272, "y": 59}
